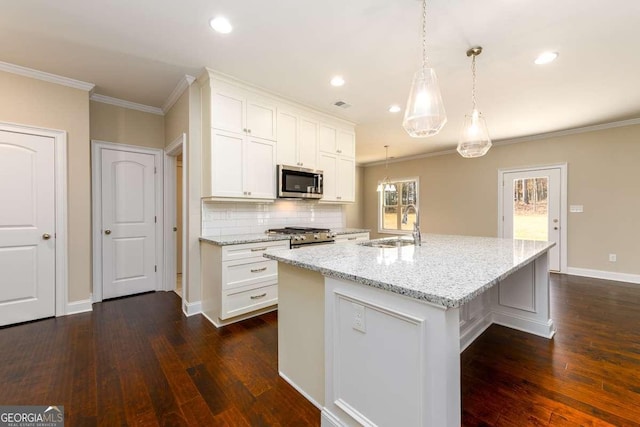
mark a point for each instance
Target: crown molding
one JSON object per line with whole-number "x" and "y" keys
{"x": 126, "y": 104}
{"x": 182, "y": 85}
{"x": 47, "y": 77}
{"x": 555, "y": 134}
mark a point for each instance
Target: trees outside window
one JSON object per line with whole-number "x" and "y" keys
{"x": 393, "y": 204}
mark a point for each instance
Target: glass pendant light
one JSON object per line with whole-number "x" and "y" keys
{"x": 474, "y": 137}
{"x": 425, "y": 114}
{"x": 386, "y": 184}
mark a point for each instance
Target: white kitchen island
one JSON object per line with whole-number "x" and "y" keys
{"x": 372, "y": 336}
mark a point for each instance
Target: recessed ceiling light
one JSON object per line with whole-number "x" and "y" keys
{"x": 221, "y": 25}
{"x": 394, "y": 108}
{"x": 546, "y": 57}
{"x": 337, "y": 81}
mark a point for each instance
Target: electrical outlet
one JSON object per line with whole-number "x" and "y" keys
{"x": 613, "y": 257}
{"x": 358, "y": 318}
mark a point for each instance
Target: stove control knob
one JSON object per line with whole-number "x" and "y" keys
{"x": 303, "y": 237}
{"x": 316, "y": 236}
{"x": 296, "y": 238}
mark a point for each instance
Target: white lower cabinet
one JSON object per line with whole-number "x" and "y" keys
{"x": 352, "y": 238}
{"x": 237, "y": 281}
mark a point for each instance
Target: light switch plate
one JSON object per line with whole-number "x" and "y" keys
{"x": 576, "y": 208}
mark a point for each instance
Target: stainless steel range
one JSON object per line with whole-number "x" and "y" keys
{"x": 303, "y": 236}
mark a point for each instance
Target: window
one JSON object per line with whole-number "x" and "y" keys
{"x": 392, "y": 205}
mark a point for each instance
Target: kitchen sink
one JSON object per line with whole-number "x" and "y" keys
{"x": 394, "y": 242}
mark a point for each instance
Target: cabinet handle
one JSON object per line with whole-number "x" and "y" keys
{"x": 249, "y": 130}
{"x": 339, "y": 197}
{"x": 258, "y": 249}
{"x": 258, "y": 270}
{"x": 244, "y": 130}
{"x": 258, "y": 296}
{"x": 351, "y": 238}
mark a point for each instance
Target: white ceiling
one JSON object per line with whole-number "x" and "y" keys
{"x": 139, "y": 50}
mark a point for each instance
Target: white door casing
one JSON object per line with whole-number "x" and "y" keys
{"x": 27, "y": 227}
{"x": 173, "y": 247}
{"x": 128, "y": 235}
{"x": 557, "y": 203}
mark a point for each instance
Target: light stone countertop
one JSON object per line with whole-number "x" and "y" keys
{"x": 350, "y": 230}
{"x": 446, "y": 270}
{"x": 238, "y": 239}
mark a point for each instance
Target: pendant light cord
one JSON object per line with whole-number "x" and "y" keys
{"x": 424, "y": 35}
{"x": 473, "y": 86}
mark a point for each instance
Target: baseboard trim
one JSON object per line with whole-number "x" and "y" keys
{"x": 606, "y": 275}
{"x": 327, "y": 419}
{"x": 81, "y": 306}
{"x": 471, "y": 333}
{"x": 544, "y": 329}
{"x": 191, "y": 308}
{"x": 299, "y": 390}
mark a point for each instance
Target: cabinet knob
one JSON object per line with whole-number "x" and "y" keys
{"x": 244, "y": 130}
{"x": 46, "y": 236}
{"x": 249, "y": 130}
{"x": 107, "y": 232}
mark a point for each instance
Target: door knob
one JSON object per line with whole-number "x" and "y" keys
{"x": 46, "y": 236}
{"x": 555, "y": 228}
{"x": 175, "y": 228}
{"x": 107, "y": 232}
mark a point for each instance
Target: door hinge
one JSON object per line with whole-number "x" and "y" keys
{"x": 155, "y": 268}
{"x": 155, "y": 169}
{"x": 155, "y": 219}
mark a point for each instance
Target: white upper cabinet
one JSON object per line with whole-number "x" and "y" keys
{"x": 339, "y": 178}
{"x": 337, "y": 141}
{"x": 240, "y": 167}
{"x": 297, "y": 140}
{"x": 346, "y": 143}
{"x": 308, "y": 143}
{"x": 236, "y": 110}
{"x": 246, "y": 132}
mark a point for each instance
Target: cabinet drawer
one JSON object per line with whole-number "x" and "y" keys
{"x": 238, "y": 273}
{"x": 251, "y": 250}
{"x": 235, "y": 304}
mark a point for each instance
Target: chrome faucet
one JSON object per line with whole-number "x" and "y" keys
{"x": 417, "y": 237}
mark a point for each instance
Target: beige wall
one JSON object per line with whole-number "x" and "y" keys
{"x": 176, "y": 121}
{"x": 355, "y": 211}
{"x": 460, "y": 196}
{"x": 125, "y": 126}
{"x": 37, "y": 103}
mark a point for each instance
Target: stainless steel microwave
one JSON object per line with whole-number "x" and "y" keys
{"x": 299, "y": 183}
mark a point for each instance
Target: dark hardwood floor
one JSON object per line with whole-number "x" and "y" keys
{"x": 588, "y": 375}
{"x": 139, "y": 361}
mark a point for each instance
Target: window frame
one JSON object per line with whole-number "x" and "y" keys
{"x": 380, "y": 205}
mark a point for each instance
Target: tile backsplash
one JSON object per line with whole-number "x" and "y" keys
{"x": 223, "y": 219}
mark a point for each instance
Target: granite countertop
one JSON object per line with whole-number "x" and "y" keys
{"x": 238, "y": 239}
{"x": 350, "y": 230}
{"x": 445, "y": 270}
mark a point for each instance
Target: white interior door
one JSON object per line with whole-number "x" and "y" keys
{"x": 27, "y": 227}
{"x": 531, "y": 208}
{"x": 128, "y": 223}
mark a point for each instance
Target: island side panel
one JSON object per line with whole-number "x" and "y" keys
{"x": 301, "y": 331}
{"x": 521, "y": 301}
{"x": 390, "y": 359}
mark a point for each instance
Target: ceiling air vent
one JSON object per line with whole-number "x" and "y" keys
{"x": 341, "y": 104}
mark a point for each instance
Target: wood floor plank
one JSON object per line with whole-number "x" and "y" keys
{"x": 140, "y": 361}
